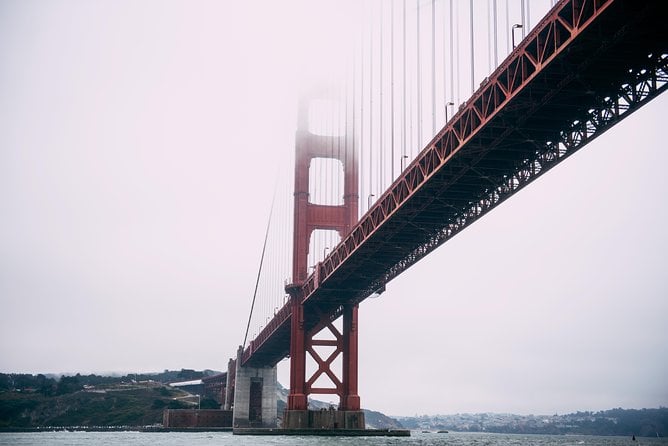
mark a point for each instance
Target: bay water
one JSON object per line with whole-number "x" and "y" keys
{"x": 417, "y": 438}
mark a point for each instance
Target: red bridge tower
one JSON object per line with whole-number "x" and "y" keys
{"x": 309, "y": 217}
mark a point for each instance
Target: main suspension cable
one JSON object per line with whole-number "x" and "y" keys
{"x": 259, "y": 272}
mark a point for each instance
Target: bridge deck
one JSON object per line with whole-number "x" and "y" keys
{"x": 585, "y": 66}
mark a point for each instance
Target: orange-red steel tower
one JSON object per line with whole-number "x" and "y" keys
{"x": 309, "y": 217}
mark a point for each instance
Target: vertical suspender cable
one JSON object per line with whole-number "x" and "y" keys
{"x": 528, "y": 16}
{"x": 336, "y": 199}
{"x": 343, "y": 133}
{"x": 411, "y": 108}
{"x": 335, "y": 101}
{"x": 472, "y": 51}
{"x": 381, "y": 157}
{"x": 346, "y": 119}
{"x": 370, "y": 106}
{"x": 321, "y": 125}
{"x": 335, "y": 141}
{"x": 334, "y": 105}
{"x": 327, "y": 162}
{"x": 281, "y": 242}
{"x": 353, "y": 125}
{"x": 433, "y": 67}
{"x": 419, "y": 84}
{"x": 403, "y": 132}
{"x": 336, "y": 132}
{"x": 349, "y": 147}
{"x": 496, "y": 46}
{"x": 452, "y": 58}
{"x": 524, "y": 23}
{"x": 489, "y": 35}
{"x": 508, "y": 29}
{"x": 392, "y": 91}
{"x": 280, "y": 252}
{"x": 274, "y": 273}
{"x": 459, "y": 72}
{"x": 445, "y": 63}
{"x": 361, "y": 139}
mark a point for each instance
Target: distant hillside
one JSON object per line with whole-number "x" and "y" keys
{"x": 627, "y": 422}
{"x": 377, "y": 420}
{"x": 91, "y": 400}
{"x": 130, "y": 406}
{"x": 54, "y": 384}
{"x": 28, "y": 401}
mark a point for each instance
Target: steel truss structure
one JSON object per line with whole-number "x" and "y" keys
{"x": 586, "y": 66}
{"x": 645, "y": 85}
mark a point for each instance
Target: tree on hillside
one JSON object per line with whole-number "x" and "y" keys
{"x": 69, "y": 384}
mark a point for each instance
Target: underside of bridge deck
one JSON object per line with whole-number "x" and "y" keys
{"x": 585, "y": 67}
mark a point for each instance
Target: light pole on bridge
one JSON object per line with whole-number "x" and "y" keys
{"x": 515, "y": 26}
{"x": 449, "y": 104}
{"x": 405, "y": 157}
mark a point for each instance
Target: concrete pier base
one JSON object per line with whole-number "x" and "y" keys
{"x": 255, "y": 402}
{"x": 323, "y": 419}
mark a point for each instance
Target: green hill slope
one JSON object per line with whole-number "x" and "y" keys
{"x": 28, "y": 401}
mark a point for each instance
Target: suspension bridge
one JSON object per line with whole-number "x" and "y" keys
{"x": 443, "y": 111}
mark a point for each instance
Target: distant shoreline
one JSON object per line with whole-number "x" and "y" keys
{"x": 110, "y": 429}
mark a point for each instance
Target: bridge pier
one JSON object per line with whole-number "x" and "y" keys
{"x": 323, "y": 419}
{"x": 349, "y": 414}
{"x": 228, "y": 404}
{"x": 255, "y": 403}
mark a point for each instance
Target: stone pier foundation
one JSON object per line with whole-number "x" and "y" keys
{"x": 255, "y": 403}
{"x": 323, "y": 419}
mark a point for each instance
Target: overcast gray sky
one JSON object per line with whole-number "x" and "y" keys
{"x": 138, "y": 145}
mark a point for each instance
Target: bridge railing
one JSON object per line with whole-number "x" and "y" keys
{"x": 281, "y": 316}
